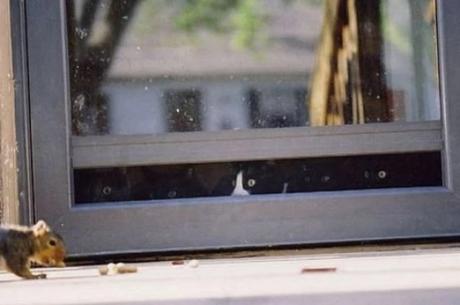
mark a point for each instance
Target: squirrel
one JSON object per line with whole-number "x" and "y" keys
{"x": 20, "y": 246}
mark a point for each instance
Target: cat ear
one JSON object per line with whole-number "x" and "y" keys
{"x": 40, "y": 228}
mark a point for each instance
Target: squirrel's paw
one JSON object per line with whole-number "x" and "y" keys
{"x": 40, "y": 276}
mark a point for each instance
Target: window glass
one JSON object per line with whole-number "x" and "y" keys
{"x": 158, "y": 66}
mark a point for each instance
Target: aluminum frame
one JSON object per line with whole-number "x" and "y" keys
{"x": 233, "y": 222}
{"x": 22, "y": 118}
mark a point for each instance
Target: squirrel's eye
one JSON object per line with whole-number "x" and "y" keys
{"x": 52, "y": 243}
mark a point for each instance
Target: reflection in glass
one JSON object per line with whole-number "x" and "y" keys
{"x": 156, "y": 66}
{"x": 183, "y": 110}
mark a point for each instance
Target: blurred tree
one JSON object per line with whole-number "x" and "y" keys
{"x": 91, "y": 59}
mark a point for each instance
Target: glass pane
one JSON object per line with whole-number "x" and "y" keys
{"x": 256, "y": 177}
{"x": 158, "y": 66}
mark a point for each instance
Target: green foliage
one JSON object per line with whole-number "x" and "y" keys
{"x": 244, "y": 22}
{"x": 207, "y": 14}
{"x": 148, "y": 13}
{"x": 243, "y": 19}
{"x": 248, "y": 22}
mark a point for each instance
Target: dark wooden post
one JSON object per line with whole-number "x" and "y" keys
{"x": 372, "y": 69}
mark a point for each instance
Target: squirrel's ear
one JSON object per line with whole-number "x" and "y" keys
{"x": 40, "y": 228}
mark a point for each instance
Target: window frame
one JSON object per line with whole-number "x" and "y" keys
{"x": 232, "y": 222}
{"x": 259, "y": 144}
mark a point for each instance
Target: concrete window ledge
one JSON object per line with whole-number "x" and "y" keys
{"x": 430, "y": 276}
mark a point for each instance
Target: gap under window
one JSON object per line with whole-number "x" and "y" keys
{"x": 257, "y": 177}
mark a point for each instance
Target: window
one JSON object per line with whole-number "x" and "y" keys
{"x": 278, "y": 107}
{"x": 241, "y": 123}
{"x": 183, "y": 110}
